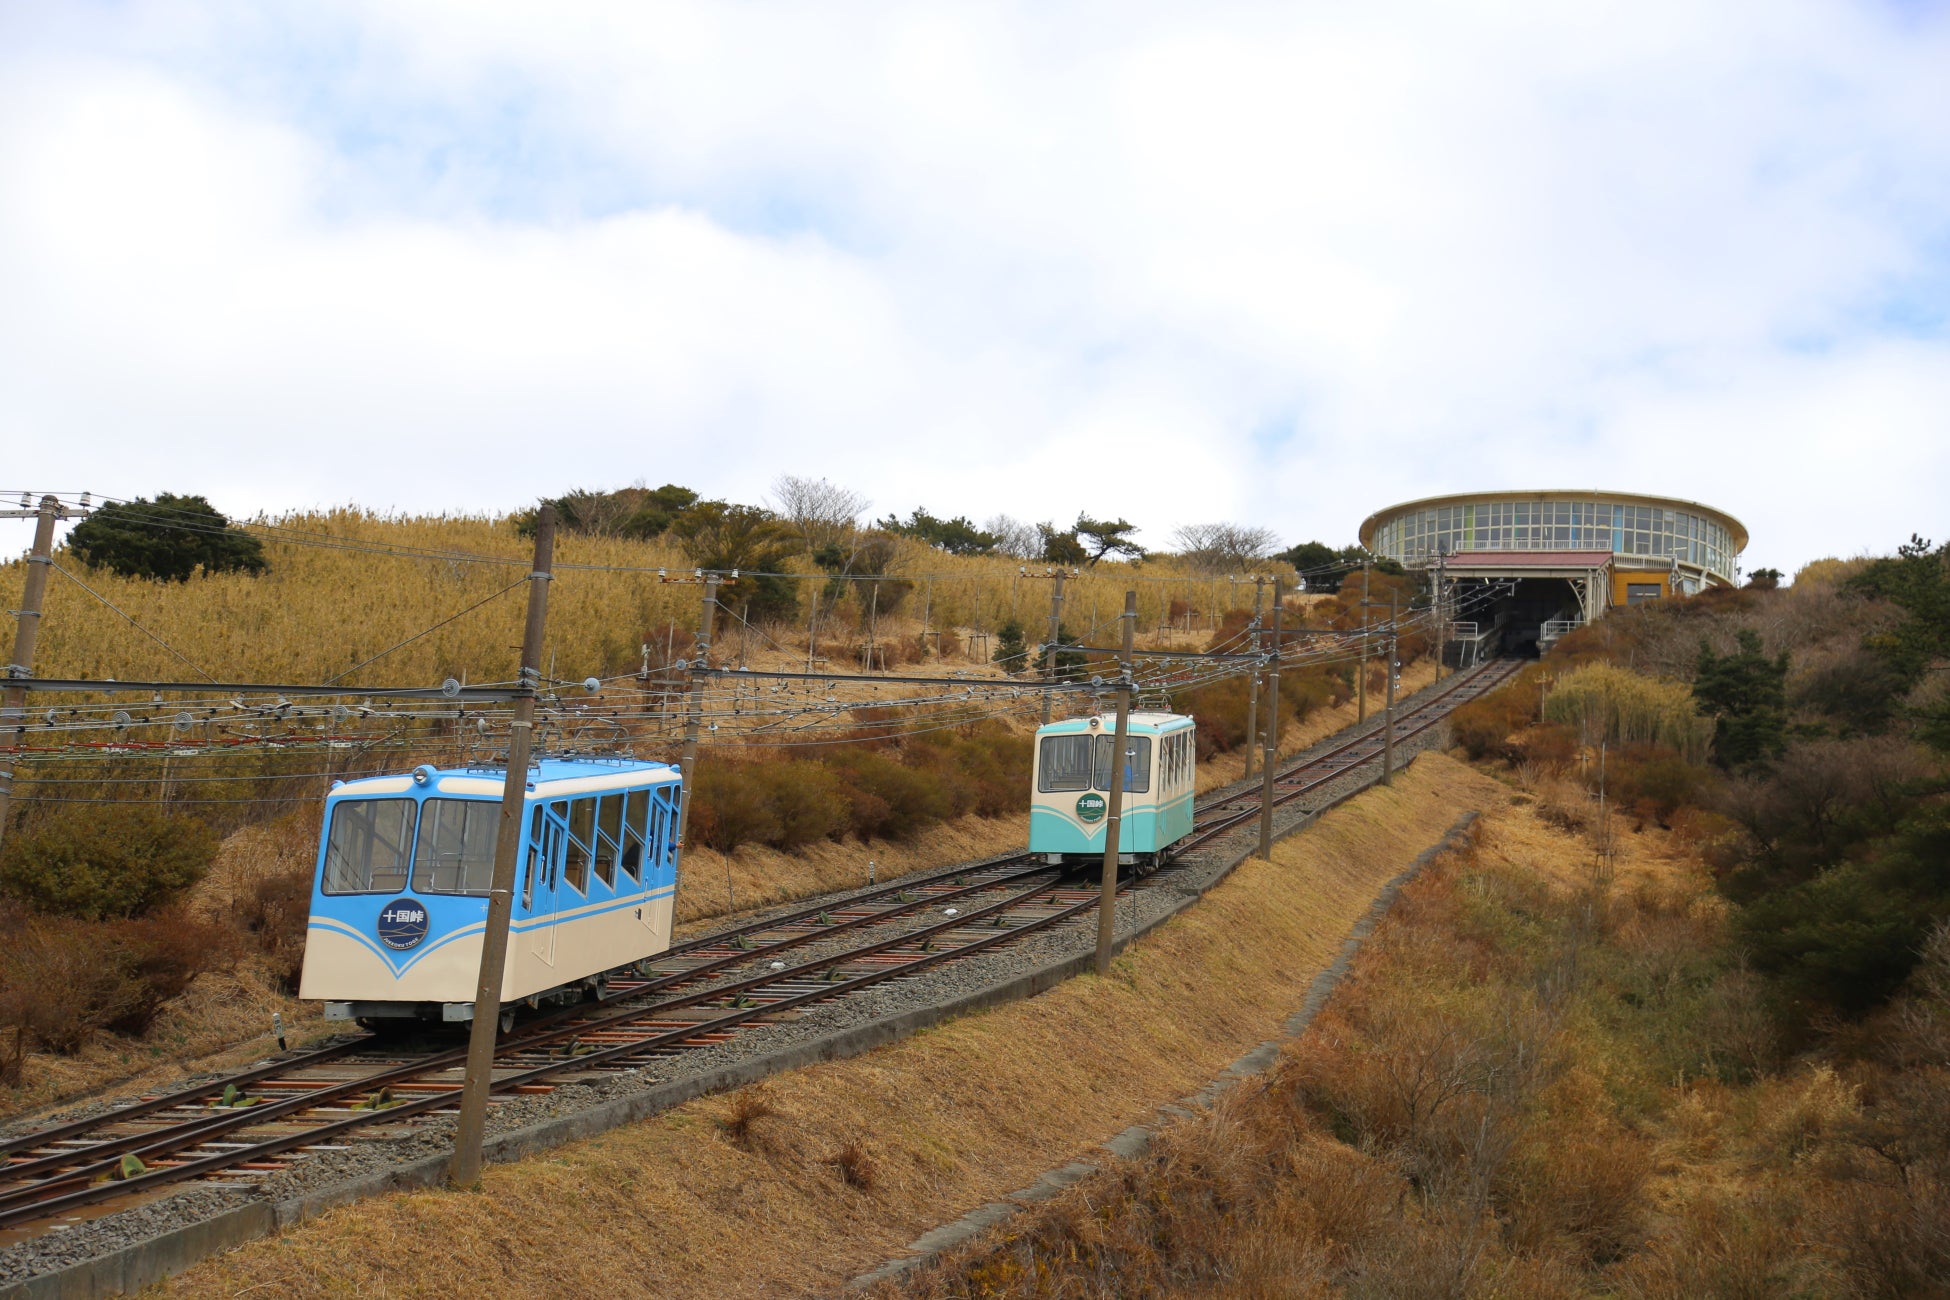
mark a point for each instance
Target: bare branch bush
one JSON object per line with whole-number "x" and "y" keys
{"x": 1224, "y": 548}
{"x": 820, "y": 511}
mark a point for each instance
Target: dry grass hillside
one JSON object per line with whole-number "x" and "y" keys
{"x": 790, "y": 1187}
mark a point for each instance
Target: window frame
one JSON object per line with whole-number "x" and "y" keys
{"x": 493, "y": 811}
{"x": 411, "y": 832}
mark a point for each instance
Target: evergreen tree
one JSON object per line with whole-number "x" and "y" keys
{"x": 1010, "y": 649}
{"x": 1746, "y": 694}
{"x": 168, "y": 538}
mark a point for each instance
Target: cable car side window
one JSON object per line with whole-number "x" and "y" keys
{"x": 454, "y": 852}
{"x": 636, "y": 814}
{"x": 609, "y": 837}
{"x": 1065, "y": 764}
{"x": 536, "y": 862}
{"x": 367, "y": 847}
{"x": 1137, "y": 763}
{"x": 581, "y": 816}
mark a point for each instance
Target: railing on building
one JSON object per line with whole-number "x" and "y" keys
{"x": 1553, "y": 630}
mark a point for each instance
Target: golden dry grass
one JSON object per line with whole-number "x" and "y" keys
{"x": 320, "y": 610}
{"x": 951, "y": 1118}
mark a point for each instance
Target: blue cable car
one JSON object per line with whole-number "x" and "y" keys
{"x": 399, "y": 900}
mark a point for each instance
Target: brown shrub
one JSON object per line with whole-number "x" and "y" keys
{"x": 272, "y": 912}
{"x": 856, "y": 1166}
{"x": 63, "y": 980}
{"x": 748, "y": 1107}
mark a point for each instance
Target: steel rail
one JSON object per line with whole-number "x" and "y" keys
{"x": 23, "y": 1205}
{"x": 28, "y": 1202}
{"x": 189, "y": 1132}
{"x": 1439, "y": 706}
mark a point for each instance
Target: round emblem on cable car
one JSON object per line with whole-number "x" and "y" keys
{"x": 1090, "y": 807}
{"x": 403, "y": 924}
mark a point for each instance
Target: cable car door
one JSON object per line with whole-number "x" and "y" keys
{"x": 544, "y": 871}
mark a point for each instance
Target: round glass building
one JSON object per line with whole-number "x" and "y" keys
{"x": 1552, "y": 560}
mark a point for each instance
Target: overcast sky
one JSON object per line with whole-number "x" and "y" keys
{"x": 1280, "y": 263}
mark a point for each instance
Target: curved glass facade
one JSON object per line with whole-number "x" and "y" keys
{"x": 1417, "y": 534}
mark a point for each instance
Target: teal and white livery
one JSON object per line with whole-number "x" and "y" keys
{"x": 399, "y": 902}
{"x": 1067, "y": 811}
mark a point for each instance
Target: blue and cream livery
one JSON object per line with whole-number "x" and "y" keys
{"x": 399, "y": 902}
{"x": 1068, "y": 806}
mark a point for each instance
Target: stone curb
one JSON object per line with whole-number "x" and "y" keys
{"x": 147, "y": 1262}
{"x": 1133, "y": 1142}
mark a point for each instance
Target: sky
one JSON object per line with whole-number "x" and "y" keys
{"x": 1279, "y": 264}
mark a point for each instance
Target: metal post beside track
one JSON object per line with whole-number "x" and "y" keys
{"x": 465, "y": 1171}
{"x": 1114, "y": 814}
{"x": 1270, "y": 758}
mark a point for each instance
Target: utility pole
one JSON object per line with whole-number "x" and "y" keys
{"x": 1049, "y": 648}
{"x": 1361, "y": 684}
{"x": 27, "y": 632}
{"x": 465, "y": 1172}
{"x": 1270, "y": 759}
{"x": 1252, "y": 681}
{"x": 1441, "y": 615}
{"x": 1388, "y": 727}
{"x": 694, "y": 712}
{"x": 1114, "y": 814}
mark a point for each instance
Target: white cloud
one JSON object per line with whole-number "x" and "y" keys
{"x": 1282, "y": 262}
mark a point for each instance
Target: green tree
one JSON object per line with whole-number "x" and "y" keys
{"x": 1060, "y": 547}
{"x": 1010, "y": 648}
{"x": 957, "y": 536}
{"x": 169, "y": 538}
{"x": 1321, "y": 567}
{"x": 121, "y": 860}
{"x": 637, "y": 512}
{"x": 1916, "y": 581}
{"x": 1101, "y": 537}
{"x": 1746, "y": 694}
{"x": 721, "y": 536}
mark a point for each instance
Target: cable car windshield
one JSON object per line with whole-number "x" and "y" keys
{"x": 366, "y": 849}
{"x": 1137, "y": 763}
{"x": 455, "y": 850}
{"x": 1065, "y": 763}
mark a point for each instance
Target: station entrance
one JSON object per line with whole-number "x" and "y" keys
{"x": 1521, "y": 602}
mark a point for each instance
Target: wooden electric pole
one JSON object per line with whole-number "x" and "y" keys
{"x": 465, "y": 1171}
{"x": 1114, "y": 814}
{"x": 1361, "y": 683}
{"x": 1270, "y": 759}
{"x": 1388, "y": 727}
{"x": 27, "y": 632}
{"x": 1049, "y": 646}
{"x": 694, "y": 713}
{"x": 1252, "y": 680}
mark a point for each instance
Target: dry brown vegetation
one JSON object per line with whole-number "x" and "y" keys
{"x": 1545, "y": 1080}
{"x": 960, "y": 1114}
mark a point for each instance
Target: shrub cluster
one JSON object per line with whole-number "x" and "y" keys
{"x": 119, "y": 861}
{"x": 866, "y": 789}
{"x": 62, "y": 979}
{"x": 91, "y": 938}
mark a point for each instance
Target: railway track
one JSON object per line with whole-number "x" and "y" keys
{"x": 256, "y": 1123}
